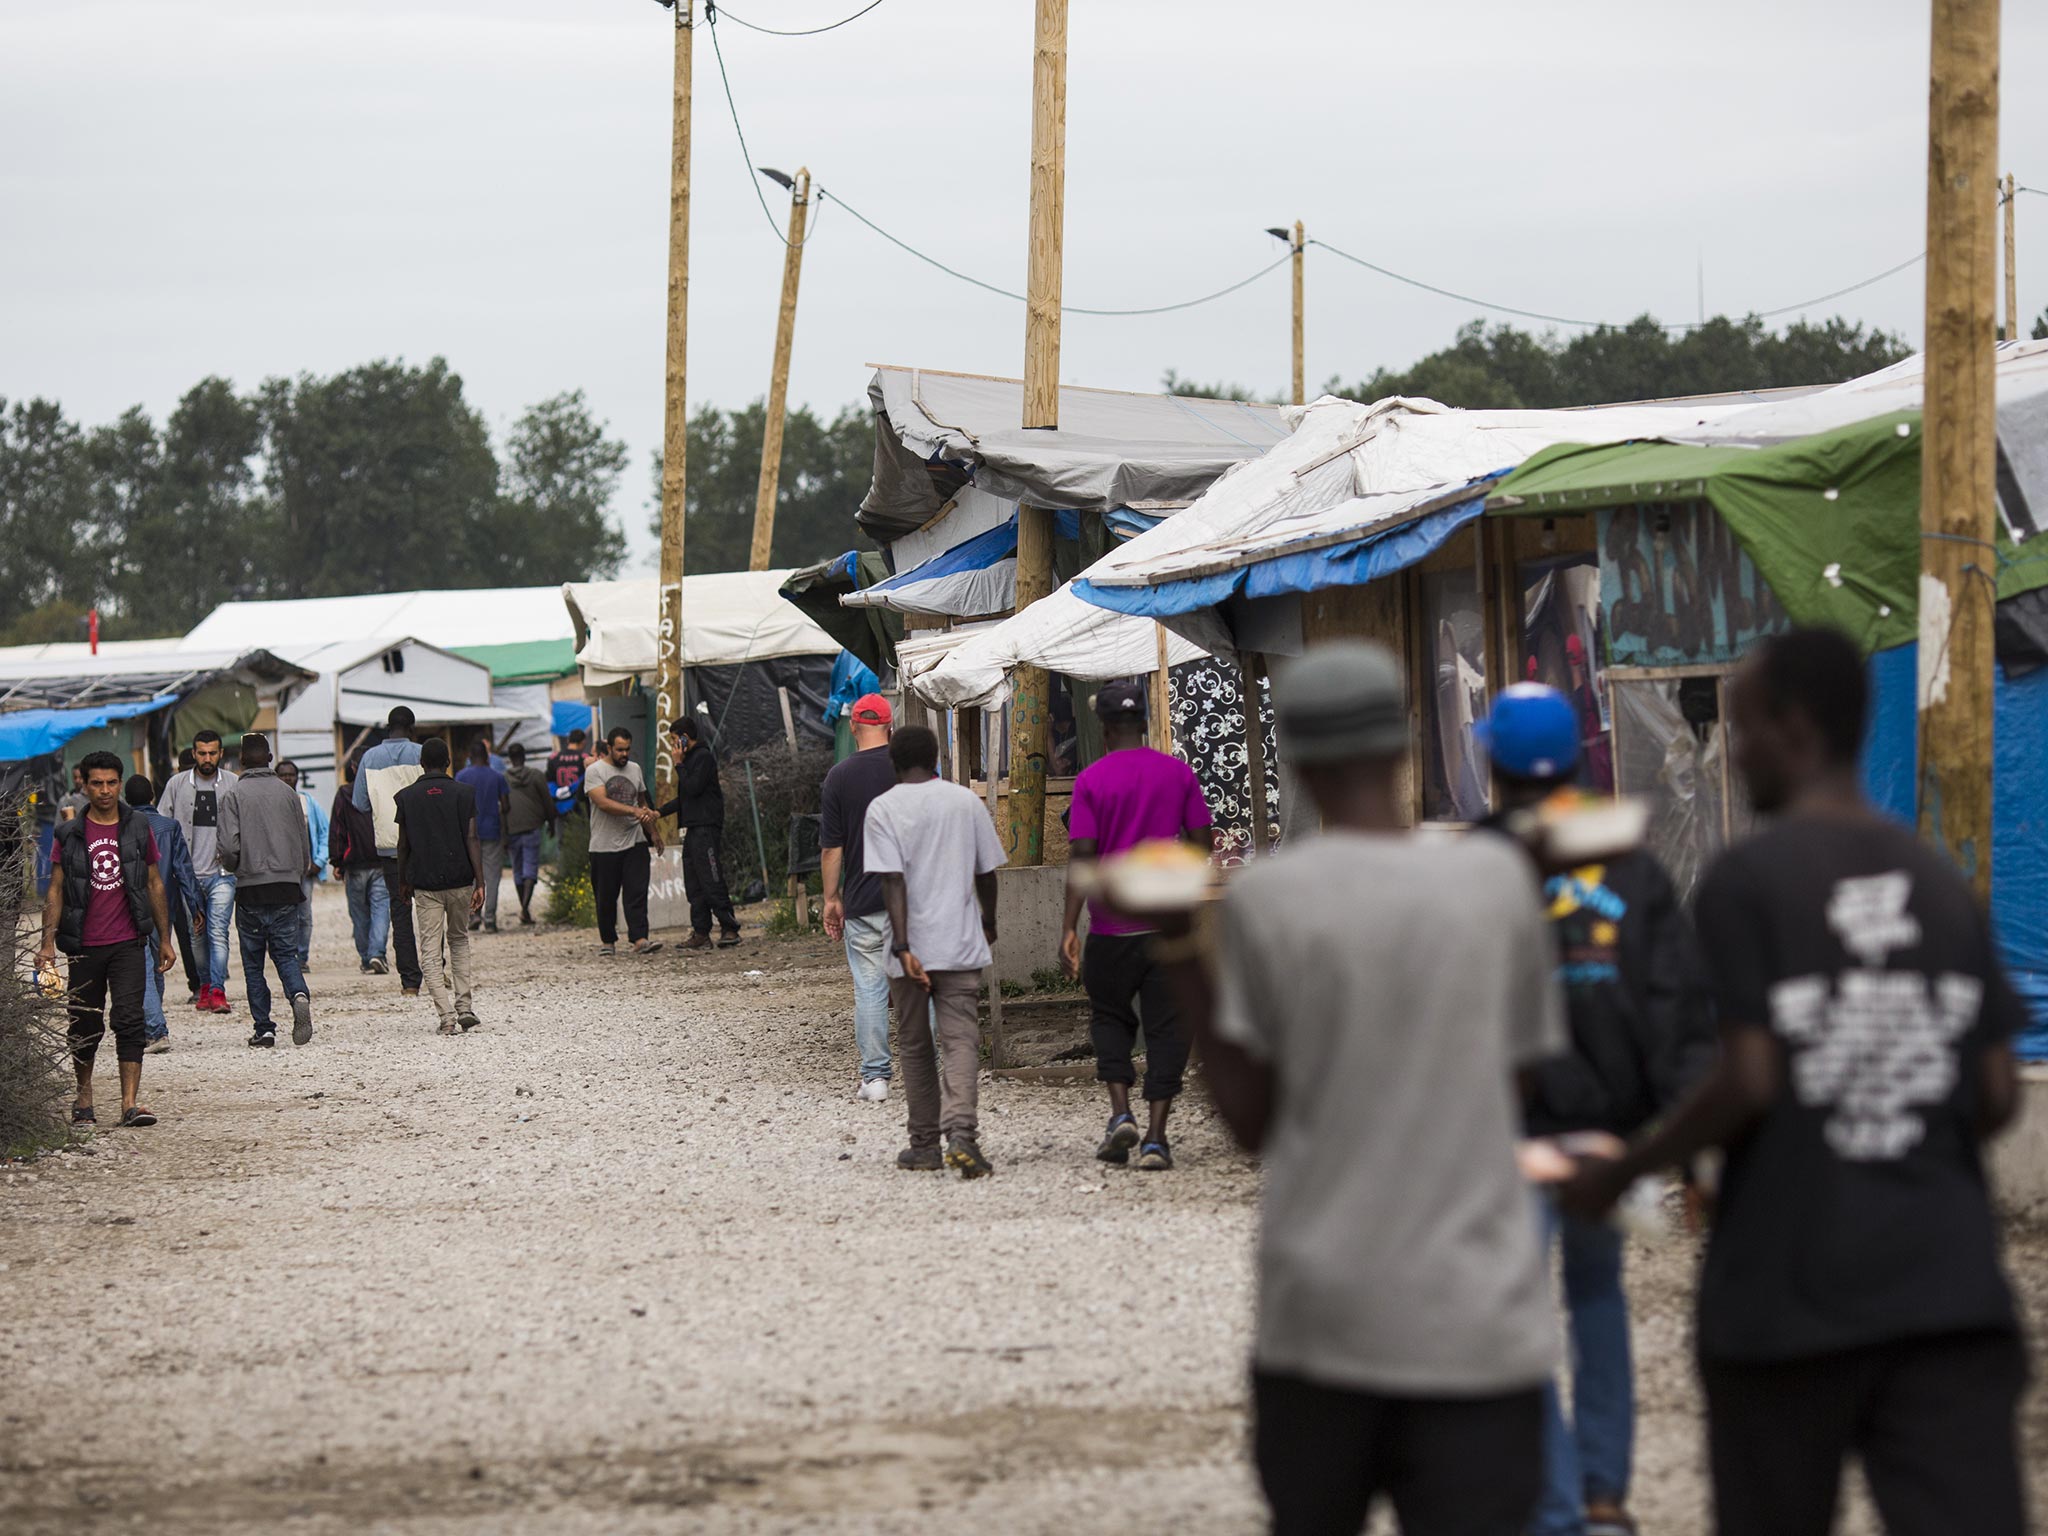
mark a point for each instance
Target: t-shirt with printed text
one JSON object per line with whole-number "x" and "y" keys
{"x": 107, "y": 918}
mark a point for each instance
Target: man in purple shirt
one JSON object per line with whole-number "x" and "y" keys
{"x": 1132, "y": 795}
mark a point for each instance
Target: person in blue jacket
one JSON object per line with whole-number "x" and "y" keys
{"x": 181, "y": 894}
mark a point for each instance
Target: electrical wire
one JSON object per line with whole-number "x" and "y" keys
{"x": 746, "y": 158}
{"x": 712, "y": 11}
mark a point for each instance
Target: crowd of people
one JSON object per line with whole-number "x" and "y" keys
{"x": 1455, "y": 1054}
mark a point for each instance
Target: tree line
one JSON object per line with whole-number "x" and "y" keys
{"x": 384, "y": 477}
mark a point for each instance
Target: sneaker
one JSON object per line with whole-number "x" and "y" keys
{"x": 302, "y": 1019}
{"x": 220, "y": 1001}
{"x": 408, "y": 991}
{"x": 1155, "y": 1156}
{"x": 263, "y": 1039}
{"x": 696, "y": 941}
{"x": 380, "y": 966}
{"x": 607, "y": 949}
{"x": 1118, "y": 1140}
{"x": 448, "y": 1027}
{"x": 920, "y": 1160}
{"x": 490, "y": 925}
{"x": 874, "y": 1090}
{"x": 364, "y": 967}
{"x": 526, "y": 919}
{"x": 202, "y": 1000}
{"x": 476, "y": 925}
{"x": 728, "y": 938}
{"x": 467, "y": 1020}
{"x": 647, "y": 947}
{"x": 1606, "y": 1518}
{"x": 157, "y": 1046}
{"x": 964, "y": 1153}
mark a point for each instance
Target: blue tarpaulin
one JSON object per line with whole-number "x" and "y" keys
{"x": 27, "y": 733}
{"x": 851, "y": 679}
{"x": 567, "y": 715}
{"x": 2019, "y": 810}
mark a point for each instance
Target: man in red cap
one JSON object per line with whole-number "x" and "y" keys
{"x": 853, "y": 897}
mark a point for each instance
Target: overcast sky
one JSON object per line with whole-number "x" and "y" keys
{"x": 256, "y": 187}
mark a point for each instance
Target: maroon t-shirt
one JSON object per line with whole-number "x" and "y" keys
{"x": 107, "y": 918}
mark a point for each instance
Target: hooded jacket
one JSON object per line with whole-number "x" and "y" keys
{"x": 532, "y": 806}
{"x": 264, "y": 841}
{"x": 386, "y": 769}
{"x": 699, "y": 802}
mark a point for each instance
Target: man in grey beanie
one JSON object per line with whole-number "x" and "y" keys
{"x": 1372, "y": 999}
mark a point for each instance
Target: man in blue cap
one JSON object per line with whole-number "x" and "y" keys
{"x": 1631, "y": 998}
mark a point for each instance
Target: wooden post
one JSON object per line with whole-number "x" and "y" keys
{"x": 675, "y": 439}
{"x": 1958, "y": 455}
{"x": 1300, "y": 367}
{"x": 1030, "y": 702}
{"x": 1252, "y": 667}
{"x": 991, "y": 742}
{"x": 778, "y": 381}
{"x": 2012, "y": 269}
{"x": 1161, "y": 701}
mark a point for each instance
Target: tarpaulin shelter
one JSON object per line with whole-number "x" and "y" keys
{"x": 869, "y": 633}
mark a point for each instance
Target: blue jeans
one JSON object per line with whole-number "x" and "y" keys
{"x": 867, "y": 956}
{"x": 1587, "y": 1458}
{"x": 217, "y": 896}
{"x": 154, "y": 1025}
{"x": 524, "y": 848}
{"x": 306, "y": 923}
{"x": 272, "y": 931}
{"x": 369, "y": 911}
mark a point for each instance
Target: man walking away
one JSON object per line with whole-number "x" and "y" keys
{"x": 181, "y": 920}
{"x": 699, "y": 810}
{"x": 266, "y": 845}
{"x": 106, "y": 893}
{"x": 492, "y": 801}
{"x": 440, "y": 871}
{"x": 1131, "y": 795}
{"x": 853, "y": 893}
{"x": 1852, "y": 1301}
{"x": 316, "y": 830}
{"x": 936, "y": 852}
{"x": 1624, "y": 956}
{"x": 352, "y": 850}
{"x": 386, "y": 769}
{"x": 622, "y": 827}
{"x": 193, "y": 799}
{"x": 181, "y": 893}
{"x": 565, "y": 771}
{"x": 1378, "y": 996}
{"x": 529, "y": 811}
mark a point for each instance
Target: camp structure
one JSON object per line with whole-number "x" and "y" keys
{"x": 518, "y": 636}
{"x": 755, "y": 668}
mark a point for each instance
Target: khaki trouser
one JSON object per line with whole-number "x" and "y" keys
{"x": 443, "y": 916}
{"x": 939, "y": 1077}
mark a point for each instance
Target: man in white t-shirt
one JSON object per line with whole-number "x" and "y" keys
{"x": 936, "y": 851}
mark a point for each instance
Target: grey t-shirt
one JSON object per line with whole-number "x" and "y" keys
{"x": 938, "y": 837}
{"x": 611, "y": 833}
{"x": 1394, "y": 984}
{"x": 194, "y": 804}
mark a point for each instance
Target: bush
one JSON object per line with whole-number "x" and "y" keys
{"x": 33, "y": 1071}
{"x": 786, "y": 783}
{"x": 570, "y": 899}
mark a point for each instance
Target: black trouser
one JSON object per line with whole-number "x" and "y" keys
{"x": 181, "y": 926}
{"x": 403, "y": 942}
{"x": 1453, "y": 1466}
{"x": 107, "y": 979}
{"x": 704, "y": 880}
{"x": 613, "y": 875}
{"x": 1931, "y": 1420}
{"x": 1118, "y": 970}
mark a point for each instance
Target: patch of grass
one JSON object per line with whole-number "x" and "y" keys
{"x": 782, "y": 923}
{"x": 570, "y": 899}
{"x": 1047, "y": 978}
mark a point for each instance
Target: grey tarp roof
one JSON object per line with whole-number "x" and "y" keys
{"x": 935, "y": 430}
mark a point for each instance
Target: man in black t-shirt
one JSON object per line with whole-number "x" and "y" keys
{"x": 441, "y": 872}
{"x": 853, "y": 897}
{"x": 1852, "y": 1300}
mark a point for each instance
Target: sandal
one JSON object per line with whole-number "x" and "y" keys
{"x": 81, "y": 1114}
{"x": 647, "y": 947}
{"x": 137, "y": 1116}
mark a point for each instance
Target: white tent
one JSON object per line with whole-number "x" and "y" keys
{"x": 449, "y": 618}
{"x": 728, "y": 618}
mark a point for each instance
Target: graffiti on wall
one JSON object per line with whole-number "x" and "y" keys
{"x": 1677, "y": 587}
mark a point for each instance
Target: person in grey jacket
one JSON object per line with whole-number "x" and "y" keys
{"x": 265, "y": 845}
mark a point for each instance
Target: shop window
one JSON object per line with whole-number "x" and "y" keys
{"x": 1564, "y": 644}
{"x": 1453, "y": 657}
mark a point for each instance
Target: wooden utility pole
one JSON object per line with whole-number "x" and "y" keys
{"x": 675, "y": 442}
{"x": 2012, "y": 268}
{"x": 1030, "y": 706}
{"x": 778, "y": 381}
{"x": 1300, "y": 245}
{"x": 1160, "y": 701}
{"x": 1958, "y": 455}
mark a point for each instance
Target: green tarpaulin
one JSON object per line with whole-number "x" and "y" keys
{"x": 526, "y": 661}
{"x": 1831, "y": 521}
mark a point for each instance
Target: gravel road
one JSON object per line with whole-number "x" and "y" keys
{"x": 631, "y": 1258}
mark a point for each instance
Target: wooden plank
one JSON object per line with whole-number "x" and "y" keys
{"x": 675, "y": 431}
{"x": 778, "y": 378}
{"x": 1160, "y": 700}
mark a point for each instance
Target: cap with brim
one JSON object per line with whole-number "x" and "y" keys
{"x": 1341, "y": 701}
{"x": 1121, "y": 697}
{"x": 872, "y": 709}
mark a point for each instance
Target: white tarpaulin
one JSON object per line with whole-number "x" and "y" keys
{"x": 453, "y": 617}
{"x": 728, "y": 618}
{"x": 1060, "y": 633}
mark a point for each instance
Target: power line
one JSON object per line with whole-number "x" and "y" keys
{"x": 746, "y": 158}
{"x": 712, "y": 11}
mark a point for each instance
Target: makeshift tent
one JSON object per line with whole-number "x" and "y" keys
{"x": 32, "y": 733}
{"x": 361, "y": 682}
{"x": 524, "y": 661}
{"x": 816, "y": 590}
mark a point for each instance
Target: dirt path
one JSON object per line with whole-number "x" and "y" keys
{"x": 631, "y": 1258}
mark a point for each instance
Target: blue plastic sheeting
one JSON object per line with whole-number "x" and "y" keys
{"x": 26, "y": 733}
{"x": 2019, "y": 810}
{"x": 1126, "y": 524}
{"x": 851, "y": 678}
{"x": 1339, "y": 565}
{"x": 568, "y": 716}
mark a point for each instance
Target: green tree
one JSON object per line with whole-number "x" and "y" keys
{"x": 47, "y": 544}
{"x": 826, "y": 467}
{"x": 554, "y": 521}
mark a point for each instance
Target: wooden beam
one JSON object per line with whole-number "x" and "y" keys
{"x": 1300, "y": 245}
{"x": 1958, "y": 456}
{"x": 778, "y": 379}
{"x": 675, "y": 429}
{"x": 1160, "y": 700}
{"x": 2012, "y": 270}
